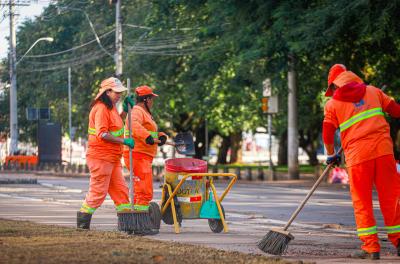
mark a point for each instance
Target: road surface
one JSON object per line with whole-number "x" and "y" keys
{"x": 324, "y": 231}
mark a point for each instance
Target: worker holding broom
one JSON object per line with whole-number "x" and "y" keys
{"x": 357, "y": 109}
{"x": 145, "y": 133}
{"x": 104, "y": 153}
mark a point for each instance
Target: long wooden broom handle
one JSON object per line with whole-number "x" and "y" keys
{"x": 294, "y": 215}
{"x": 130, "y": 149}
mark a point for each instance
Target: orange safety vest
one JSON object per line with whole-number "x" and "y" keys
{"x": 103, "y": 120}
{"x": 142, "y": 127}
{"x": 364, "y": 132}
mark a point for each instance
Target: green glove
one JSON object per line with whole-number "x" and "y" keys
{"x": 128, "y": 100}
{"x": 129, "y": 142}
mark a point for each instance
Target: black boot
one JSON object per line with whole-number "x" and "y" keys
{"x": 362, "y": 254}
{"x": 83, "y": 220}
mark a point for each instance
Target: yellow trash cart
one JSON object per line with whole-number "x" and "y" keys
{"x": 187, "y": 187}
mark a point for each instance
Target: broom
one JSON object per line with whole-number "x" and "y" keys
{"x": 131, "y": 221}
{"x": 276, "y": 241}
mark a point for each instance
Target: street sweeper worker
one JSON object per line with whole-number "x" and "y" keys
{"x": 103, "y": 156}
{"x": 357, "y": 110}
{"x": 147, "y": 138}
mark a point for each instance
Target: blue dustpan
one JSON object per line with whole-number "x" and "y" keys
{"x": 209, "y": 209}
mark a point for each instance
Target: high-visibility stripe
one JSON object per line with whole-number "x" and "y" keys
{"x": 392, "y": 229}
{"x": 367, "y": 231}
{"x": 117, "y": 133}
{"x": 359, "y": 117}
{"x": 123, "y": 207}
{"x": 152, "y": 134}
{"x": 139, "y": 207}
{"x": 87, "y": 209}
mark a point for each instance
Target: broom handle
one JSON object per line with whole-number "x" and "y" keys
{"x": 130, "y": 149}
{"x": 294, "y": 215}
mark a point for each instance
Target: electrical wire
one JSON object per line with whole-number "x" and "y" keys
{"x": 71, "y": 49}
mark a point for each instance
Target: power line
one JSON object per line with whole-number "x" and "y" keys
{"x": 71, "y": 49}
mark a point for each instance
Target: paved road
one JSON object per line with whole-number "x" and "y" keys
{"x": 324, "y": 230}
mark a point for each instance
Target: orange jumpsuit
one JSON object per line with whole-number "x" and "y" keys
{"x": 104, "y": 161}
{"x": 142, "y": 126}
{"x": 368, "y": 149}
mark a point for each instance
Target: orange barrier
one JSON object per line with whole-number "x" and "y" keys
{"x": 22, "y": 160}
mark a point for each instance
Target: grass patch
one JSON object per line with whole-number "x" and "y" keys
{"x": 26, "y": 242}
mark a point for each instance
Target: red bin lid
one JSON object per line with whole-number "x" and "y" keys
{"x": 185, "y": 165}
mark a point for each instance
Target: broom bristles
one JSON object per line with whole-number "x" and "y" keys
{"x": 275, "y": 242}
{"x": 133, "y": 221}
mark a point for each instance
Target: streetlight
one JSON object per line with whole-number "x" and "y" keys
{"x": 49, "y": 39}
{"x": 13, "y": 88}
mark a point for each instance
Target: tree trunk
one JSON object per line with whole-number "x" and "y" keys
{"x": 309, "y": 143}
{"x": 293, "y": 139}
{"x": 223, "y": 150}
{"x": 394, "y": 133}
{"x": 199, "y": 144}
{"x": 282, "y": 151}
{"x": 236, "y": 147}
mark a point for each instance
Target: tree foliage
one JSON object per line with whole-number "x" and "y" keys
{"x": 207, "y": 60}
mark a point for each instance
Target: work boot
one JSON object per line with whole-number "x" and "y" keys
{"x": 362, "y": 254}
{"x": 83, "y": 220}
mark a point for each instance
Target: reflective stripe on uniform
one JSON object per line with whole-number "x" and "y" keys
{"x": 118, "y": 133}
{"x": 87, "y": 209}
{"x": 123, "y": 207}
{"x": 392, "y": 229}
{"x": 359, "y": 117}
{"x": 138, "y": 207}
{"x": 367, "y": 231}
{"x": 152, "y": 134}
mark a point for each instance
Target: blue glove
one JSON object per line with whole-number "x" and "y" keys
{"x": 128, "y": 100}
{"x": 129, "y": 142}
{"x": 334, "y": 159}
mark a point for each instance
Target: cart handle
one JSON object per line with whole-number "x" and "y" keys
{"x": 231, "y": 183}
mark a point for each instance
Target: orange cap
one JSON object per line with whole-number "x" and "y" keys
{"x": 111, "y": 83}
{"x": 144, "y": 90}
{"x": 334, "y": 72}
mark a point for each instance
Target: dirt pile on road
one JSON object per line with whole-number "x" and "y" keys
{"x": 26, "y": 242}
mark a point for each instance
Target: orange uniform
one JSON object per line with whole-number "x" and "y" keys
{"x": 142, "y": 127}
{"x": 103, "y": 160}
{"x": 368, "y": 149}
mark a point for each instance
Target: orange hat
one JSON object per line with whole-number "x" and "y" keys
{"x": 334, "y": 72}
{"x": 144, "y": 90}
{"x": 111, "y": 83}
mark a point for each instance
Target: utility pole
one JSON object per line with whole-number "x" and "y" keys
{"x": 13, "y": 82}
{"x": 118, "y": 39}
{"x": 12, "y": 57}
{"x": 293, "y": 139}
{"x": 69, "y": 115}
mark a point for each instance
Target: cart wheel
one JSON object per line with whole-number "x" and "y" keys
{"x": 155, "y": 215}
{"x": 167, "y": 216}
{"x": 216, "y": 224}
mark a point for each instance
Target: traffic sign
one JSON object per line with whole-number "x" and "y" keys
{"x": 267, "y": 87}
